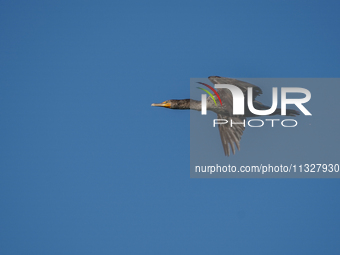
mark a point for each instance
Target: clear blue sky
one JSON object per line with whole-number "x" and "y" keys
{"x": 88, "y": 167}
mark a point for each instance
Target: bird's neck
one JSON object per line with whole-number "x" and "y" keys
{"x": 195, "y": 105}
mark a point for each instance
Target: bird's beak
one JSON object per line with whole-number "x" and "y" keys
{"x": 164, "y": 104}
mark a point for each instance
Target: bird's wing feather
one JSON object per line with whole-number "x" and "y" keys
{"x": 231, "y": 135}
{"x": 241, "y": 84}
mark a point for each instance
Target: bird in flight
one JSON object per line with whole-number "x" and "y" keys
{"x": 230, "y": 135}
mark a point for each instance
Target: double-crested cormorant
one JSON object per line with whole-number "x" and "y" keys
{"x": 229, "y": 135}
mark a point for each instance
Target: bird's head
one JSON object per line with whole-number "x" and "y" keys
{"x": 166, "y": 104}
{"x": 175, "y": 104}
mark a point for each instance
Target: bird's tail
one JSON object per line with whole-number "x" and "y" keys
{"x": 289, "y": 112}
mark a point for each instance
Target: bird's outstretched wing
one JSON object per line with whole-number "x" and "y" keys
{"x": 231, "y": 135}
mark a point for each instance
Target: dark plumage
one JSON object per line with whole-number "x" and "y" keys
{"x": 229, "y": 135}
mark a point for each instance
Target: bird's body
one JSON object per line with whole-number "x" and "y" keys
{"x": 230, "y": 135}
